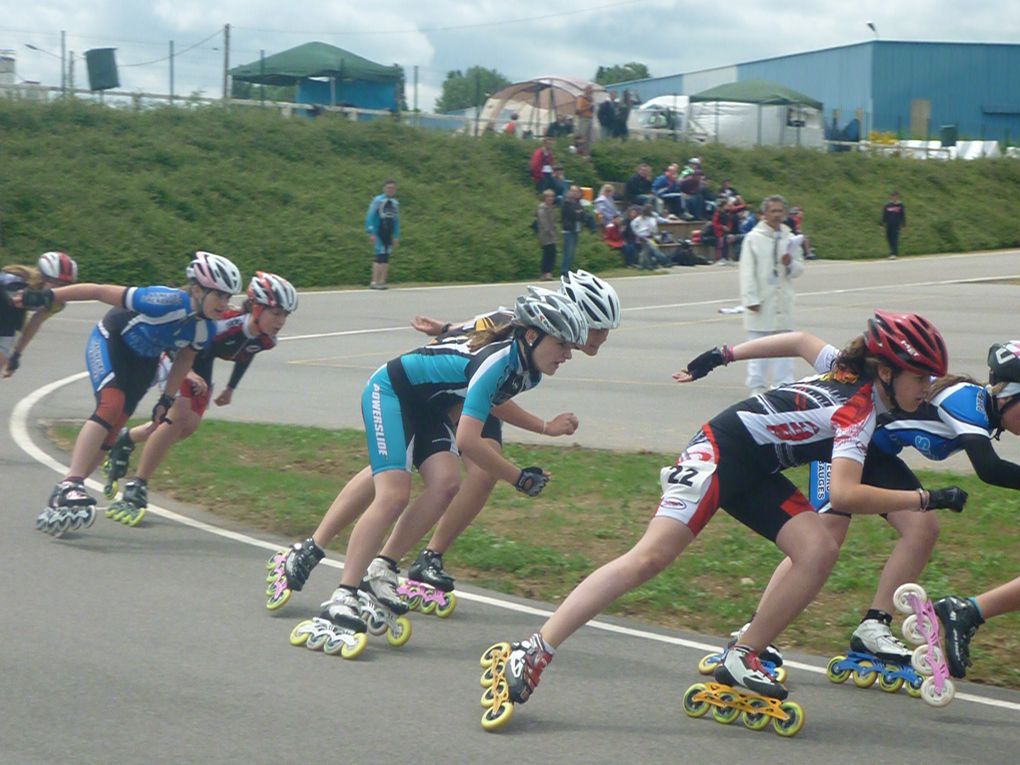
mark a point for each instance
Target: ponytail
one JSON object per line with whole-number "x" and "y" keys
{"x": 482, "y": 337}
{"x": 948, "y": 381}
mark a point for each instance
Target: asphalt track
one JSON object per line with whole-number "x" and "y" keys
{"x": 152, "y": 644}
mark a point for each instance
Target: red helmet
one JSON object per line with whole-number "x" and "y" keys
{"x": 908, "y": 342}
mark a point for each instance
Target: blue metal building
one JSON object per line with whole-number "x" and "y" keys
{"x": 912, "y": 89}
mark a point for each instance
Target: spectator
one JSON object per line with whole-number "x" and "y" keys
{"x": 894, "y": 218}
{"x": 572, "y": 215}
{"x": 563, "y": 126}
{"x": 667, "y": 192}
{"x": 799, "y": 239}
{"x": 383, "y": 226}
{"x": 558, "y": 183}
{"x": 767, "y": 270}
{"x": 548, "y": 232}
{"x": 584, "y": 109}
{"x": 726, "y": 228}
{"x": 726, "y": 190}
{"x": 646, "y": 230}
{"x": 693, "y": 188}
{"x": 607, "y": 114}
{"x": 541, "y": 164}
{"x": 511, "y": 127}
{"x": 748, "y": 220}
{"x": 605, "y": 204}
{"x": 638, "y": 188}
{"x": 612, "y": 235}
{"x": 631, "y": 241}
{"x": 622, "y": 114}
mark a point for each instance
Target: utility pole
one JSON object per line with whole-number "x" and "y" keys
{"x": 478, "y": 96}
{"x": 70, "y": 71}
{"x": 63, "y": 64}
{"x": 226, "y": 64}
{"x": 171, "y": 73}
{"x": 415, "y": 94}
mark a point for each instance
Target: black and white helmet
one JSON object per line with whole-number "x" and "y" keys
{"x": 59, "y": 267}
{"x": 553, "y": 313}
{"x": 271, "y": 290}
{"x": 214, "y": 272}
{"x": 1004, "y": 367}
{"x": 596, "y": 298}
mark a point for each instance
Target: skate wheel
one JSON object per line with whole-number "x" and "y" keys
{"x": 277, "y": 600}
{"x": 58, "y": 528}
{"x": 694, "y": 701}
{"x": 414, "y": 603}
{"x": 299, "y": 635}
{"x": 132, "y": 519}
{"x": 901, "y": 598}
{"x": 317, "y": 640}
{"x": 913, "y": 689}
{"x": 496, "y": 717}
{"x": 889, "y": 682}
{"x": 932, "y": 697}
{"x": 400, "y": 632}
{"x": 834, "y": 673}
{"x": 757, "y": 720}
{"x": 111, "y": 489}
{"x": 794, "y": 721}
{"x": 780, "y": 674}
{"x": 911, "y": 631}
{"x": 443, "y": 611}
{"x": 728, "y": 714}
{"x": 865, "y": 676}
{"x": 708, "y": 663}
{"x": 494, "y": 652}
{"x": 923, "y": 662}
{"x": 353, "y": 648}
{"x": 493, "y": 695}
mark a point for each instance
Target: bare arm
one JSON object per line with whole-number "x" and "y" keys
{"x": 30, "y": 329}
{"x": 111, "y": 294}
{"x": 511, "y": 413}
{"x": 849, "y": 495}
{"x": 802, "y": 344}
{"x": 472, "y": 445}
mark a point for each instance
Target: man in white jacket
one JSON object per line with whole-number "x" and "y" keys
{"x": 769, "y": 262}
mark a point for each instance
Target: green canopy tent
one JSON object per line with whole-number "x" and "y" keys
{"x": 725, "y": 111}
{"x": 325, "y": 74}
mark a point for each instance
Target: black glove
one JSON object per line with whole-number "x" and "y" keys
{"x": 701, "y": 365}
{"x": 162, "y": 409}
{"x": 33, "y": 300}
{"x": 13, "y": 362}
{"x": 951, "y": 498}
{"x": 531, "y": 481}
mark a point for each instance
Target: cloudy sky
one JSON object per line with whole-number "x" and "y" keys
{"x": 521, "y": 39}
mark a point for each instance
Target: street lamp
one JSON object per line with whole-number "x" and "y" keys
{"x": 63, "y": 65}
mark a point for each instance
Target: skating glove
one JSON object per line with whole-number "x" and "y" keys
{"x": 36, "y": 299}
{"x": 703, "y": 364}
{"x": 13, "y": 362}
{"x": 951, "y": 498}
{"x": 531, "y": 481}
{"x": 162, "y": 409}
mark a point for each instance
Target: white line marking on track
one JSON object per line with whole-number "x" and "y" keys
{"x": 19, "y": 432}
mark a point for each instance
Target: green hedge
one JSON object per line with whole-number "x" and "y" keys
{"x": 130, "y": 195}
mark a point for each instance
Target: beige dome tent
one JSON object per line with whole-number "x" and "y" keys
{"x": 537, "y": 102}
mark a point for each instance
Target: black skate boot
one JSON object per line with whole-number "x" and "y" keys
{"x": 875, "y": 637}
{"x": 428, "y": 568}
{"x": 130, "y": 508}
{"x": 380, "y": 584}
{"x": 69, "y": 507}
{"x": 525, "y": 665}
{"x": 291, "y": 569}
{"x": 960, "y": 619}
{"x": 116, "y": 463}
{"x": 741, "y": 666}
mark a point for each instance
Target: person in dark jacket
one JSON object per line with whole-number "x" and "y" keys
{"x": 894, "y": 218}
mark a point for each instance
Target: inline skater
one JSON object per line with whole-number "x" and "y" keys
{"x": 240, "y": 334}
{"x": 600, "y": 305}
{"x": 405, "y": 407}
{"x": 53, "y": 269}
{"x": 735, "y": 462}
{"x": 122, "y": 354}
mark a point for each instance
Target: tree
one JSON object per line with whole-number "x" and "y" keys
{"x": 607, "y": 75}
{"x": 470, "y": 88}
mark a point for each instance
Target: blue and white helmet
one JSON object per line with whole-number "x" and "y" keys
{"x": 597, "y": 300}
{"x": 553, "y": 313}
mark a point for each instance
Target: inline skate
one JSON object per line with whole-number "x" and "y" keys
{"x": 512, "y": 672}
{"x": 921, "y": 627}
{"x": 960, "y": 619}
{"x": 115, "y": 466}
{"x": 337, "y": 630}
{"x": 289, "y": 570}
{"x": 130, "y": 508}
{"x": 876, "y": 655}
{"x": 428, "y": 588}
{"x": 381, "y": 606}
{"x": 762, "y": 702}
{"x": 771, "y": 658}
{"x": 69, "y": 508}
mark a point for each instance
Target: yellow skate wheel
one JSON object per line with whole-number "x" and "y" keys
{"x": 110, "y": 490}
{"x": 794, "y": 719}
{"x": 400, "y": 633}
{"x": 496, "y": 694}
{"x": 694, "y": 701}
{"x": 493, "y": 652}
{"x": 427, "y": 606}
{"x": 133, "y": 519}
{"x": 273, "y": 603}
{"x": 781, "y": 674}
{"x": 112, "y": 511}
{"x": 491, "y": 674}
{"x": 451, "y": 604}
{"x": 757, "y": 720}
{"x": 708, "y": 664}
{"x": 299, "y": 635}
{"x": 726, "y": 715}
{"x": 913, "y": 690}
{"x": 353, "y": 649}
{"x": 889, "y": 682}
{"x": 496, "y": 717}
{"x": 864, "y": 679}
{"x": 414, "y": 603}
{"x": 837, "y": 675}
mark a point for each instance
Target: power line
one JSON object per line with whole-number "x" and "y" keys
{"x": 177, "y": 54}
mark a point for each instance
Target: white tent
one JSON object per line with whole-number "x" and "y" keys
{"x": 537, "y": 102}
{"x": 756, "y": 113}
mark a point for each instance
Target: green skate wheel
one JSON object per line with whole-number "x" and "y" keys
{"x": 427, "y": 606}
{"x": 794, "y": 721}
{"x": 728, "y": 714}
{"x": 451, "y": 604}
{"x": 110, "y": 490}
{"x": 694, "y": 701}
{"x": 400, "y": 633}
{"x": 133, "y": 517}
{"x": 864, "y": 677}
{"x": 837, "y": 675}
{"x": 889, "y": 682}
{"x": 757, "y": 720}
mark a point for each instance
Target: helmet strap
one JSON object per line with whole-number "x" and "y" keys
{"x": 529, "y": 348}
{"x": 890, "y": 393}
{"x": 999, "y": 413}
{"x": 201, "y": 301}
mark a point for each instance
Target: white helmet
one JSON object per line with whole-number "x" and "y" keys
{"x": 596, "y": 298}
{"x": 553, "y": 313}
{"x": 214, "y": 272}
{"x": 271, "y": 290}
{"x": 59, "y": 267}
